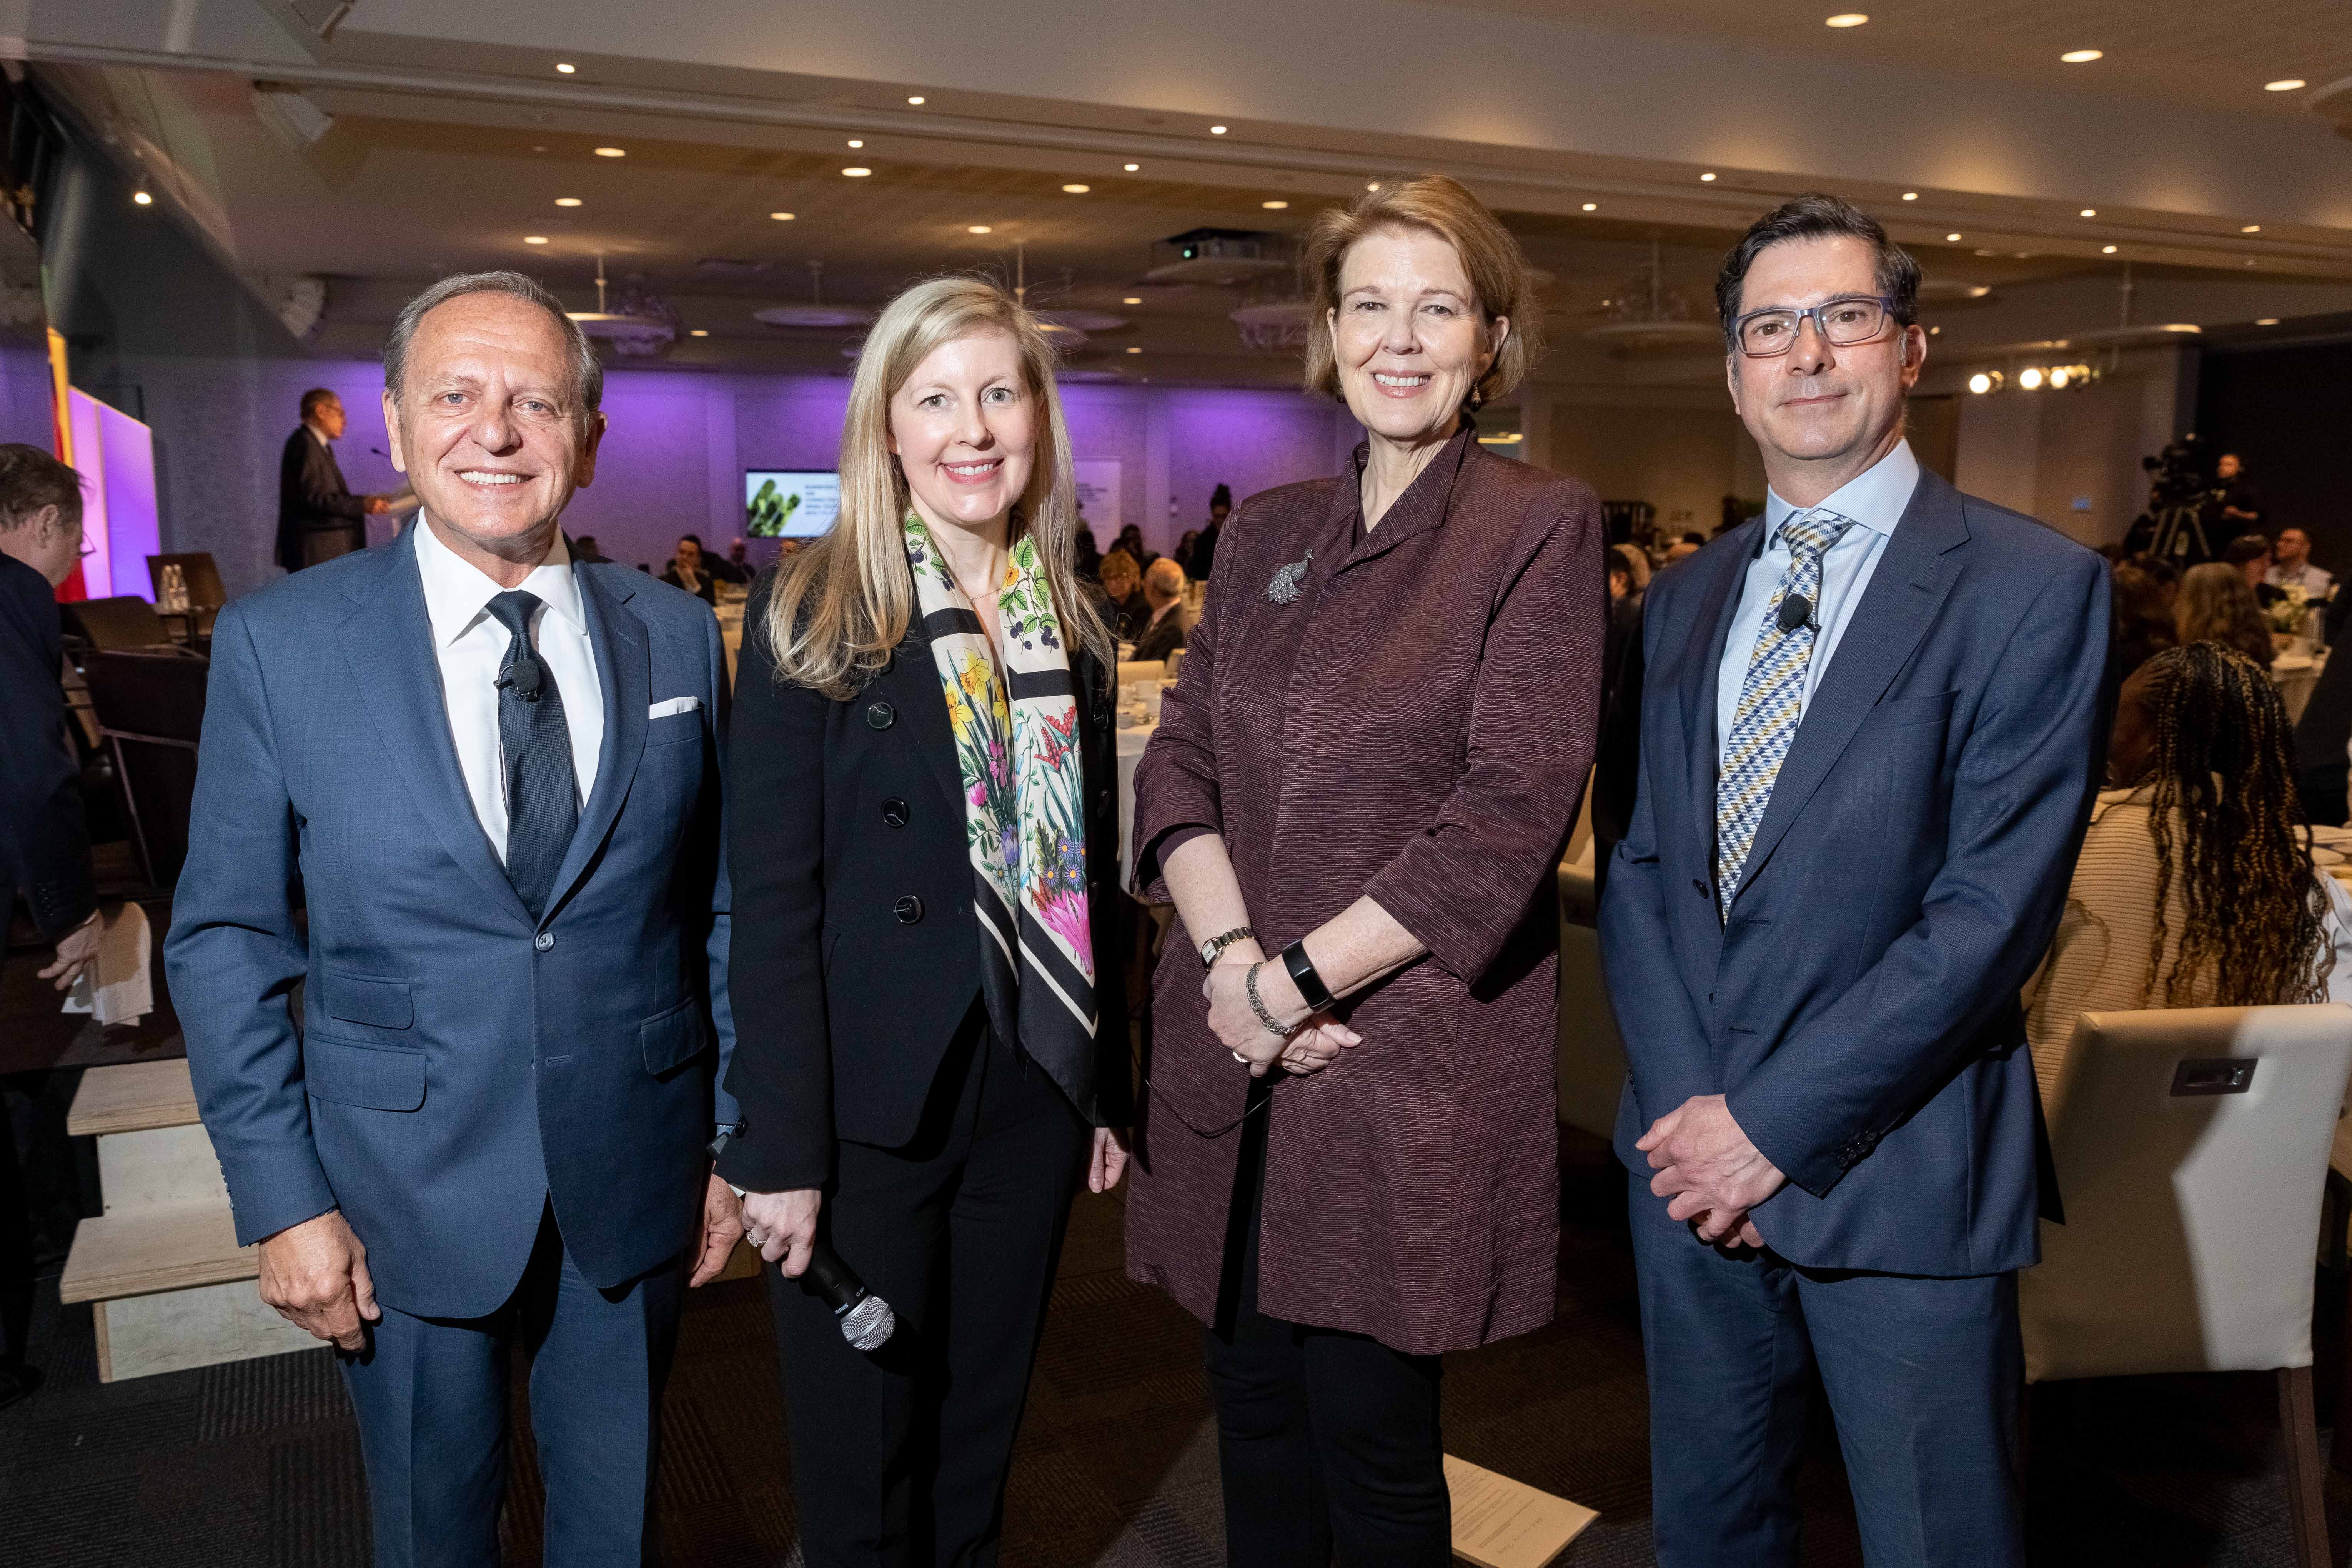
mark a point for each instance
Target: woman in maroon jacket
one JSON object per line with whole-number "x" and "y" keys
{"x": 1369, "y": 767}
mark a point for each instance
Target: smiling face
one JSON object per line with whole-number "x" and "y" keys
{"x": 964, "y": 429}
{"x": 1832, "y": 411}
{"x": 486, "y": 428}
{"x": 1408, "y": 334}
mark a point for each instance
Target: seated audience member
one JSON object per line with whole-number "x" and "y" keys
{"x": 1683, "y": 549}
{"x": 732, "y": 568}
{"x": 1182, "y": 553}
{"x": 1205, "y": 548}
{"x": 2216, "y": 605}
{"x": 2143, "y": 619}
{"x": 2291, "y": 565}
{"x": 583, "y": 548}
{"x": 1122, "y": 583}
{"x": 1087, "y": 554}
{"x": 686, "y": 570}
{"x": 2160, "y": 572}
{"x": 2250, "y": 554}
{"x": 1616, "y": 776}
{"x": 2193, "y": 889}
{"x": 1162, "y": 631}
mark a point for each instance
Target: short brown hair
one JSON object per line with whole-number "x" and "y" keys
{"x": 1444, "y": 207}
{"x": 30, "y": 479}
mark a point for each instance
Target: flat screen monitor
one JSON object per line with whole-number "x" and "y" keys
{"x": 790, "y": 503}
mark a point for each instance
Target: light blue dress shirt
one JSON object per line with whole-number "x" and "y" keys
{"x": 1873, "y": 502}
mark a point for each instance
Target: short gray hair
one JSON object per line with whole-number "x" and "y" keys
{"x": 1165, "y": 575}
{"x": 587, "y": 371}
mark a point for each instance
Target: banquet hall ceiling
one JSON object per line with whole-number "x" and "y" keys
{"x": 391, "y": 127}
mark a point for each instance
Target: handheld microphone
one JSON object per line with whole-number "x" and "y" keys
{"x": 1796, "y": 610}
{"x": 524, "y": 676}
{"x": 866, "y": 1320}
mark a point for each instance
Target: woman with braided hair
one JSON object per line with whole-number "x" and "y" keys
{"x": 2194, "y": 888}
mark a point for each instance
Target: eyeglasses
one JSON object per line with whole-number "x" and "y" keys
{"x": 1842, "y": 324}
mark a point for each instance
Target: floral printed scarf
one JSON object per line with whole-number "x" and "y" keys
{"x": 1024, "y": 805}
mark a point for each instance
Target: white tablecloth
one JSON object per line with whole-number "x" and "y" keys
{"x": 1130, "y": 751}
{"x": 2296, "y": 675}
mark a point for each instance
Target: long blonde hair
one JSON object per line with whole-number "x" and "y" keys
{"x": 841, "y": 606}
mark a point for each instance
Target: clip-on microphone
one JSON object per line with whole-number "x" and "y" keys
{"x": 1796, "y": 611}
{"x": 523, "y": 674}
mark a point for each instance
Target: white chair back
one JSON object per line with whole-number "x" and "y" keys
{"x": 1591, "y": 1071}
{"x": 2192, "y": 1147}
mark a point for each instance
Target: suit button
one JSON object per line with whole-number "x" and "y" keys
{"x": 881, "y": 716}
{"x": 894, "y": 812}
{"x": 544, "y": 941}
{"x": 909, "y": 909}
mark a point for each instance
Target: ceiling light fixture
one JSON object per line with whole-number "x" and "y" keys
{"x": 1706, "y": 179}
{"x": 2249, "y": 228}
{"x": 564, "y": 67}
{"x": 567, "y": 201}
{"x": 2285, "y": 84}
{"x": 1372, "y": 184}
{"x": 2266, "y": 321}
{"x": 1132, "y": 300}
{"x": 1217, "y": 130}
{"x": 142, "y": 198}
{"x": 1132, "y": 168}
{"x": 2090, "y": 212}
{"x": 1910, "y": 196}
{"x": 916, "y": 99}
{"x": 612, "y": 152}
{"x": 856, "y": 144}
{"x": 1985, "y": 380}
{"x": 699, "y": 332}
{"x": 1846, "y": 19}
{"x": 1133, "y": 350}
{"x": 856, "y": 172}
{"x": 781, "y": 217}
{"x": 2030, "y": 378}
{"x": 1592, "y": 206}
{"x": 1075, "y": 190}
{"x": 534, "y": 239}
{"x": 1273, "y": 207}
{"x": 2081, "y": 57}
{"x": 2106, "y": 250}
{"x": 1952, "y": 239}
{"x": 976, "y": 228}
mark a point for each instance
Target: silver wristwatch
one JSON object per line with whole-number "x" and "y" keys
{"x": 1216, "y": 945}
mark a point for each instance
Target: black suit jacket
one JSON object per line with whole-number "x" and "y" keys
{"x": 855, "y": 953}
{"x": 312, "y": 495}
{"x": 1157, "y": 641}
{"x": 43, "y": 846}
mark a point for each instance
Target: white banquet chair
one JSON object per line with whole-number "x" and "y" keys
{"x": 2192, "y": 1148}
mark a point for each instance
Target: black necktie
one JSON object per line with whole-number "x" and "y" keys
{"x": 542, "y": 805}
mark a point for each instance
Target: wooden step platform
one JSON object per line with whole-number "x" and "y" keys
{"x": 143, "y": 1251}
{"x": 133, "y": 1097}
{"x": 170, "y": 1288}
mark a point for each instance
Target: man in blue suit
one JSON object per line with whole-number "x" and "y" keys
{"x": 1870, "y": 739}
{"x": 494, "y": 773}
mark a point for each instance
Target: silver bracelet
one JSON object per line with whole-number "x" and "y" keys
{"x": 1257, "y": 1003}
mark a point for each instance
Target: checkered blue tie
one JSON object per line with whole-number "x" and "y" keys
{"x": 1772, "y": 701}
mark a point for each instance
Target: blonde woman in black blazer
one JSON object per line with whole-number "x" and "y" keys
{"x": 924, "y": 1070}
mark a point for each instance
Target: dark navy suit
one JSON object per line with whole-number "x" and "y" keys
{"x": 1858, "y": 1007}
{"x": 512, "y": 1114}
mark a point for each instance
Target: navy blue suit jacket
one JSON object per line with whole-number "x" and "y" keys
{"x": 458, "y": 1064}
{"x": 1859, "y": 1005}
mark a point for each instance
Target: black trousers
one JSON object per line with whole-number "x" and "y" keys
{"x": 900, "y": 1457}
{"x": 1324, "y": 1438}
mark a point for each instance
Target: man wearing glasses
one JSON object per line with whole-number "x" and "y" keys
{"x": 1871, "y": 735}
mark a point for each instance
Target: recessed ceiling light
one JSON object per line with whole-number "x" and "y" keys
{"x": 1706, "y": 179}
{"x": 1372, "y": 184}
{"x": 1075, "y": 190}
{"x": 1217, "y": 130}
{"x": 855, "y": 145}
{"x": 534, "y": 239}
{"x": 1134, "y": 350}
{"x": 566, "y": 69}
{"x": 856, "y": 173}
{"x": 697, "y": 331}
{"x": 1592, "y": 206}
{"x": 539, "y": 148}
{"x": 1847, "y": 19}
{"x": 2106, "y": 250}
{"x": 917, "y": 99}
{"x": 1910, "y": 196}
{"x": 1953, "y": 239}
{"x": 1132, "y": 168}
{"x": 781, "y": 217}
{"x": 142, "y": 198}
{"x": 1273, "y": 207}
{"x": 612, "y": 152}
{"x": 567, "y": 201}
{"x": 2285, "y": 84}
{"x": 2090, "y": 212}
{"x": 2249, "y": 228}
{"x": 976, "y": 228}
{"x": 2081, "y": 57}
{"x": 1132, "y": 300}
{"x": 2249, "y": 262}
{"x": 2266, "y": 321}
{"x": 1935, "y": 331}
{"x": 2030, "y": 377}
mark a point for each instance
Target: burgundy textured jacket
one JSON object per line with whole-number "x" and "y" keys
{"x": 1417, "y": 725}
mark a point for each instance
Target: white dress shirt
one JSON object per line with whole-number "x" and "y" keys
{"x": 470, "y": 647}
{"x": 1873, "y": 502}
{"x": 2311, "y": 579}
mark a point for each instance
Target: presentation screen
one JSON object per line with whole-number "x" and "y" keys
{"x": 790, "y": 503}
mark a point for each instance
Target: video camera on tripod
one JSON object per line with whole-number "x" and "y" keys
{"x": 2178, "y": 494}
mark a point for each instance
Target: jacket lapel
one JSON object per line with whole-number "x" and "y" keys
{"x": 388, "y": 644}
{"x": 1908, "y": 587}
{"x": 1718, "y": 607}
{"x": 911, "y": 684}
{"x": 625, "y": 670}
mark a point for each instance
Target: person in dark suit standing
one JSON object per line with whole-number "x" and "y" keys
{"x": 1162, "y": 631}
{"x": 495, "y": 774}
{"x": 932, "y": 1025}
{"x": 1872, "y": 729}
{"x": 44, "y": 848}
{"x": 318, "y": 516}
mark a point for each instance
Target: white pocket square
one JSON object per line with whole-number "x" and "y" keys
{"x": 668, "y": 706}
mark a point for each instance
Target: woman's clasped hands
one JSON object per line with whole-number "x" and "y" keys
{"x": 1305, "y": 1041}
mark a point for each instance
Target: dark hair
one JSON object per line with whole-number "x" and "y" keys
{"x": 2244, "y": 548}
{"x": 1817, "y": 215}
{"x": 2223, "y": 764}
{"x": 696, "y": 537}
{"x": 315, "y": 396}
{"x": 2156, "y": 568}
{"x": 2142, "y": 620}
{"x": 30, "y": 479}
{"x": 1222, "y": 496}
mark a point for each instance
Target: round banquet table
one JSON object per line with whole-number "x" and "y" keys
{"x": 1130, "y": 751}
{"x": 2296, "y": 675}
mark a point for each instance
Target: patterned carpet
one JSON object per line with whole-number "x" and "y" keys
{"x": 257, "y": 1463}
